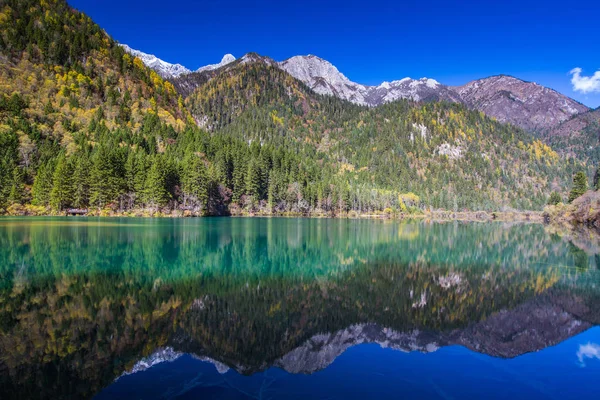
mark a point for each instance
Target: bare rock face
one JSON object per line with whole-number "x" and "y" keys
{"x": 510, "y": 100}
{"x": 321, "y": 350}
{"x": 324, "y": 78}
{"x": 524, "y": 104}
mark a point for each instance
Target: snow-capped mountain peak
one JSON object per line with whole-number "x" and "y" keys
{"x": 163, "y": 68}
{"x": 227, "y": 59}
{"x": 324, "y": 78}
{"x": 168, "y": 70}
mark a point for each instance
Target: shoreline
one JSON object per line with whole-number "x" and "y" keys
{"x": 438, "y": 215}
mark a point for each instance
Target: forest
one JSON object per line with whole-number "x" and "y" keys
{"x": 86, "y": 126}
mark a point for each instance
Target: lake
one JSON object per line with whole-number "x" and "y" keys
{"x": 271, "y": 308}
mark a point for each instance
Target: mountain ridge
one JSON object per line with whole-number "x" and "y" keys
{"x": 509, "y": 99}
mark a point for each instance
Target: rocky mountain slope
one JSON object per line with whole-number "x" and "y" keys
{"x": 227, "y": 59}
{"x": 324, "y": 78}
{"x": 524, "y": 104}
{"x": 533, "y": 326}
{"x": 578, "y": 137}
{"x": 510, "y": 100}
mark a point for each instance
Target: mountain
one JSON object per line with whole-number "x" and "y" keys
{"x": 86, "y": 125}
{"x": 510, "y": 100}
{"x": 227, "y": 59}
{"x": 187, "y": 83}
{"x": 578, "y": 137}
{"x": 164, "y": 69}
{"x": 324, "y": 78}
{"x": 453, "y": 157}
{"x": 524, "y": 104}
{"x": 168, "y": 70}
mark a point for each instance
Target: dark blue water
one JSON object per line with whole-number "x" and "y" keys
{"x": 570, "y": 370}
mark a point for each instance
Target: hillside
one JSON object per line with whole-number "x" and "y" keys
{"x": 86, "y": 125}
{"x": 525, "y": 104}
{"x": 449, "y": 156}
{"x": 579, "y": 137}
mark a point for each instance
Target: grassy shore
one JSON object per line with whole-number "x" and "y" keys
{"x": 436, "y": 215}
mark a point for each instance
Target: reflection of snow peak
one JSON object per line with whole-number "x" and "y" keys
{"x": 167, "y": 354}
{"x": 321, "y": 350}
{"x": 590, "y": 350}
{"x": 161, "y": 355}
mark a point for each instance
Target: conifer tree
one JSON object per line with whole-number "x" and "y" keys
{"x": 81, "y": 182}
{"x": 253, "y": 180}
{"x": 597, "y": 179}
{"x": 61, "y": 194}
{"x": 554, "y": 199}
{"x": 42, "y": 184}
{"x": 106, "y": 178}
{"x": 17, "y": 190}
{"x": 195, "y": 182}
{"x": 155, "y": 191}
{"x": 580, "y": 186}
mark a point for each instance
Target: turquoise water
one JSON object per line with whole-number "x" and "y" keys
{"x": 295, "y": 308}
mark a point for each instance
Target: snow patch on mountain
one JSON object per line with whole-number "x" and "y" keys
{"x": 162, "y": 355}
{"x": 168, "y": 70}
{"x": 163, "y": 68}
{"x": 324, "y": 78}
{"x": 227, "y": 59}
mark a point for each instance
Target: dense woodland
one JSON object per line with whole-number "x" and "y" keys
{"x": 84, "y": 125}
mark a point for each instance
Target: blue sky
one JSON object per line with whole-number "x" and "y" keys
{"x": 372, "y": 41}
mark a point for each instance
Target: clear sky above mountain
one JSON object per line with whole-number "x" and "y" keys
{"x": 373, "y": 41}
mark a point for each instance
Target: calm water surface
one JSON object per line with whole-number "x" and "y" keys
{"x": 242, "y": 308}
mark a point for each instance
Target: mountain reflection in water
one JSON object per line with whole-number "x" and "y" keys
{"x": 85, "y": 302}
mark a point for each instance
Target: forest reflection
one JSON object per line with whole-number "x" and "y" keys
{"x": 83, "y": 300}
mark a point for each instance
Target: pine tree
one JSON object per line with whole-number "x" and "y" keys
{"x": 580, "y": 186}
{"x": 106, "y": 177}
{"x": 81, "y": 182}
{"x": 17, "y": 190}
{"x": 195, "y": 182}
{"x": 253, "y": 180}
{"x": 554, "y": 199}
{"x": 597, "y": 179}
{"x": 42, "y": 184}
{"x": 240, "y": 170}
{"x": 272, "y": 190}
{"x": 142, "y": 165}
{"x": 155, "y": 192}
{"x": 61, "y": 194}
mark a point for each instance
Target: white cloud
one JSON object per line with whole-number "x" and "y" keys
{"x": 585, "y": 84}
{"x": 590, "y": 350}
